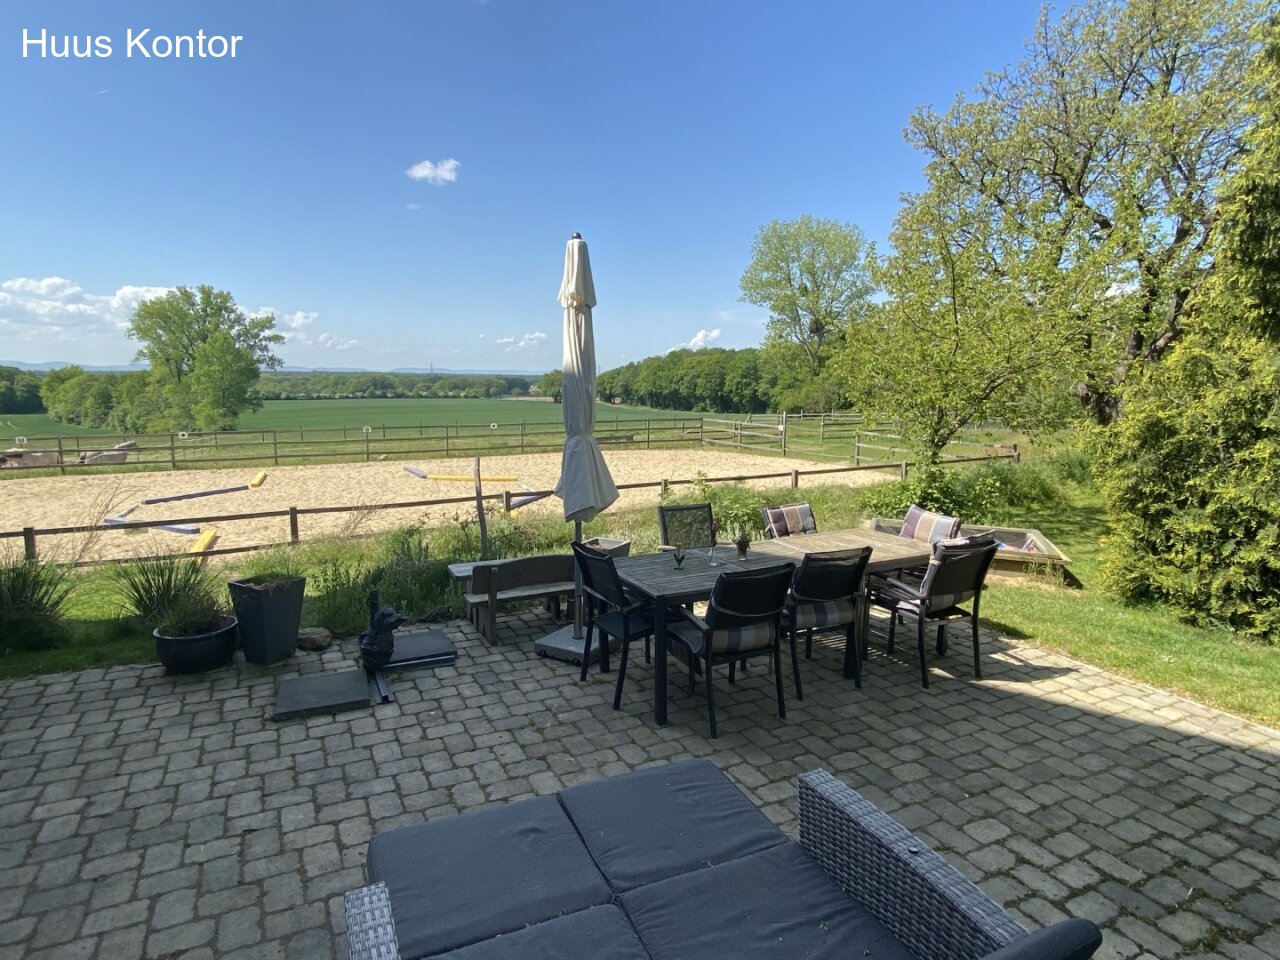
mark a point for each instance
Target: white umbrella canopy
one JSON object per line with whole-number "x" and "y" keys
{"x": 585, "y": 486}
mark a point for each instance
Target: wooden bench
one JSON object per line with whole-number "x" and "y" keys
{"x": 549, "y": 576}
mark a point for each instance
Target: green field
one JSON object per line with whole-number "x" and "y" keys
{"x": 355, "y": 414}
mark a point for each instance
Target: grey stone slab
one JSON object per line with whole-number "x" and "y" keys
{"x": 321, "y": 693}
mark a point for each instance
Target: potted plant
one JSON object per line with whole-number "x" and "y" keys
{"x": 269, "y": 609}
{"x": 180, "y": 600}
{"x": 737, "y": 510}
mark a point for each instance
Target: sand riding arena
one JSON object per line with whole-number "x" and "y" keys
{"x": 51, "y": 502}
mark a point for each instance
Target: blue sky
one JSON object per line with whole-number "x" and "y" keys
{"x": 665, "y": 132}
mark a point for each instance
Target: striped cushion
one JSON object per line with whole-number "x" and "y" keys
{"x": 729, "y": 640}
{"x": 920, "y": 524}
{"x": 817, "y": 614}
{"x": 788, "y": 520}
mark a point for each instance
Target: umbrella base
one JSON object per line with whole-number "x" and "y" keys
{"x": 561, "y": 645}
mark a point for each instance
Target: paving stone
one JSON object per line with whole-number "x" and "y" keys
{"x": 1064, "y": 792}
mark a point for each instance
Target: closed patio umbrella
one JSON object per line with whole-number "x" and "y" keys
{"x": 585, "y": 486}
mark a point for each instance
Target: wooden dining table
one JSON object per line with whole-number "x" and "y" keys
{"x": 656, "y": 578}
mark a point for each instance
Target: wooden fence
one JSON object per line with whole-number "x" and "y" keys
{"x": 177, "y": 451}
{"x": 30, "y": 535}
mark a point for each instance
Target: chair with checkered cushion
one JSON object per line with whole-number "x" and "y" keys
{"x": 825, "y": 593}
{"x": 928, "y": 527}
{"x": 743, "y": 621}
{"x": 788, "y": 520}
{"x": 955, "y": 575}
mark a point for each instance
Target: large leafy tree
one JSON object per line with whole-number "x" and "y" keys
{"x": 969, "y": 329}
{"x": 814, "y": 277}
{"x": 1191, "y": 472}
{"x": 1106, "y": 148}
{"x": 172, "y": 328}
{"x": 205, "y": 357}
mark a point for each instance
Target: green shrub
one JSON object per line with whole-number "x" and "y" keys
{"x": 1190, "y": 477}
{"x": 994, "y": 493}
{"x": 32, "y": 598}
{"x": 733, "y": 506}
{"x": 339, "y": 596}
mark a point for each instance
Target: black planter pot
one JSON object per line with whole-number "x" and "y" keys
{"x": 269, "y": 614}
{"x": 195, "y": 654}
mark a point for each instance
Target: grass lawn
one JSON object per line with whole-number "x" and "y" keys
{"x": 1145, "y": 643}
{"x": 1148, "y": 644}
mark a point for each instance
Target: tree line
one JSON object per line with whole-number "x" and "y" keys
{"x": 342, "y": 386}
{"x": 19, "y": 391}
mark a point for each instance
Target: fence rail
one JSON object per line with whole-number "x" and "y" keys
{"x": 30, "y": 535}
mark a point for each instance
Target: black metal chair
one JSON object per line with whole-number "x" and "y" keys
{"x": 686, "y": 526}
{"x": 955, "y": 575}
{"x": 743, "y": 621}
{"x": 827, "y": 592}
{"x": 610, "y": 612}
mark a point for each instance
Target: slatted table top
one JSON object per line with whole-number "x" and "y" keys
{"x": 655, "y": 574}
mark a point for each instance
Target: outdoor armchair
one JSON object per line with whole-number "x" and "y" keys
{"x": 743, "y": 621}
{"x": 610, "y": 612}
{"x": 920, "y": 524}
{"x": 955, "y": 575}
{"x": 788, "y": 520}
{"x": 686, "y": 526}
{"x": 826, "y": 592}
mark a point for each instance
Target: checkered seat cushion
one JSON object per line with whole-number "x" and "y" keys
{"x": 927, "y": 527}
{"x": 788, "y": 520}
{"x": 817, "y": 614}
{"x": 742, "y": 639}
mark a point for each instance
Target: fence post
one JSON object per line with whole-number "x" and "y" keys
{"x": 663, "y": 491}
{"x": 446, "y": 440}
{"x": 857, "y": 448}
{"x": 506, "y": 501}
{"x": 1017, "y": 456}
{"x": 173, "y": 453}
{"x": 62, "y": 466}
{"x": 521, "y": 439}
{"x": 366, "y": 444}
{"x": 795, "y": 479}
{"x": 904, "y": 469}
{"x": 275, "y": 448}
{"x": 702, "y": 425}
{"x": 29, "y": 542}
{"x": 293, "y": 524}
{"x": 648, "y": 436}
{"x": 784, "y": 432}
{"x": 822, "y": 428}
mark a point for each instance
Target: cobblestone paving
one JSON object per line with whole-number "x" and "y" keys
{"x": 147, "y": 816}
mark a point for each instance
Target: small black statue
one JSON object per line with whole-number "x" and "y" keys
{"x": 377, "y": 644}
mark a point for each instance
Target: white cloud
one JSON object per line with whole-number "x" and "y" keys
{"x": 54, "y": 304}
{"x": 700, "y": 341}
{"x": 298, "y": 319}
{"x": 505, "y": 340}
{"x": 529, "y": 342}
{"x": 415, "y": 206}
{"x": 331, "y": 342}
{"x": 446, "y": 171}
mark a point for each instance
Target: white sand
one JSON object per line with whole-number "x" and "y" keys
{"x": 70, "y": 501}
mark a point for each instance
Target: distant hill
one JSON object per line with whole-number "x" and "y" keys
{"x": 48, "y": 365}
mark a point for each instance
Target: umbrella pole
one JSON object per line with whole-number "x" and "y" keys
{"x": 577, "y": 586}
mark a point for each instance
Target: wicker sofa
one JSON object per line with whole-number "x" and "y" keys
{"x": 675, "y": 862}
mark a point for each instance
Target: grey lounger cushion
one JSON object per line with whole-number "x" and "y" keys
{"x": 599, "y": 933}
{"x": 775, "y": 904}
{"x": 464, "y": 879}
{"x": 662, "y": 821}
